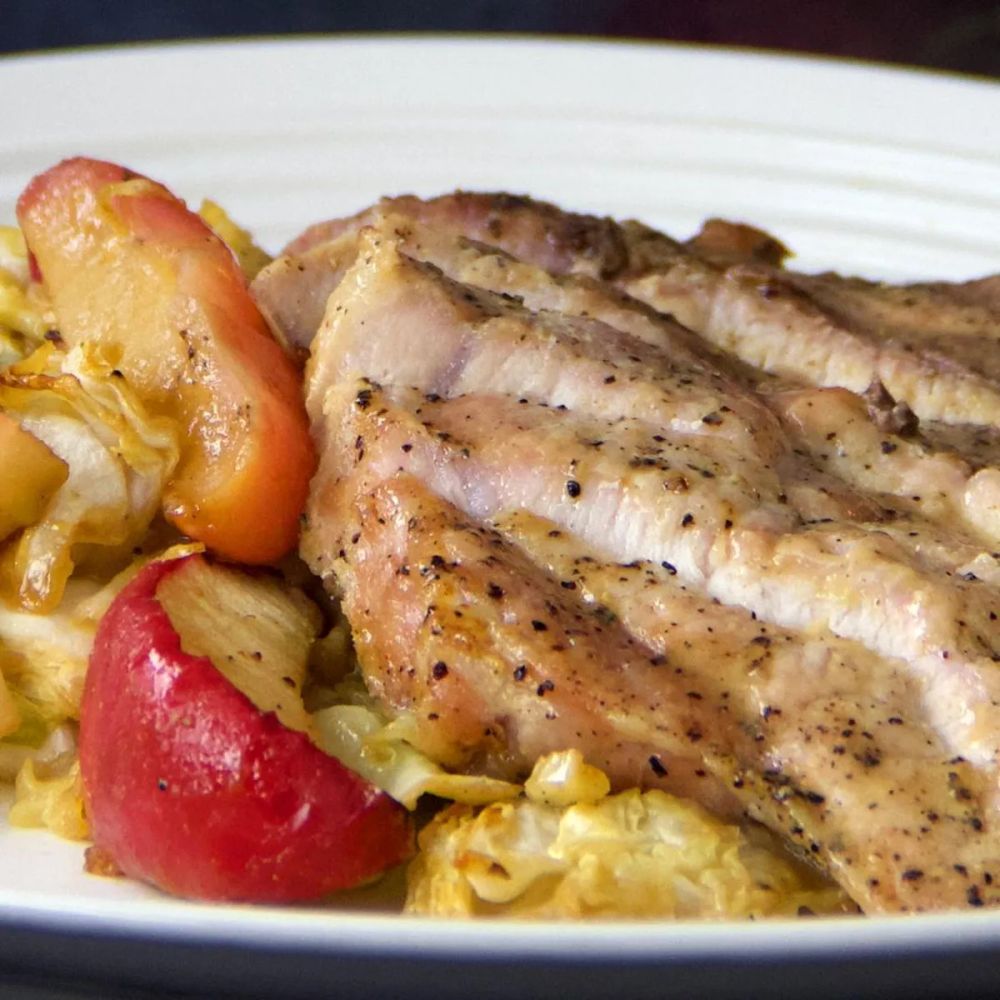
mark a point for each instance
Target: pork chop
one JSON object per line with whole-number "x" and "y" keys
{"x": 540, "y": 541}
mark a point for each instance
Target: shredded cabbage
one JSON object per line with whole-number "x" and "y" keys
{"x": 360, "y": 736}
{"x": 248, "y": 255}
{"x": 10, "y": 714}
{"x": 119, "y": 459}
{"x": 43, "y": 664}
{"x": 635, "y": 854}
{"x": 23, "y": 320}
{"x": 44, "y": 661}
{"x": 52, "y": 801}
{"x": 43, "y": 657}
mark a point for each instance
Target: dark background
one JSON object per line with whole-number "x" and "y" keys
{"x": 961, "y": 35}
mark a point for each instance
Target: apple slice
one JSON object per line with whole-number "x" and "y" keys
{"x": 29, "y": 476}
{"x": 199, "y": 788}
{"x": 128, "y": 266}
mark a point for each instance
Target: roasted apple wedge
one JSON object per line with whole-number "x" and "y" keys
{"x": 29, "y": 476}
{"x": 128, "y": 266}
{"x": 198, "y": 776}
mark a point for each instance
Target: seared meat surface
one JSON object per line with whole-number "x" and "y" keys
{"x": 749, "y": 559}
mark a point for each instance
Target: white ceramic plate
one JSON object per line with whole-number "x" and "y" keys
{"x": 858, "y": 168}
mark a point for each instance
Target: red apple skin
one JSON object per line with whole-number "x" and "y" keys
{"x": 189, "y": 787}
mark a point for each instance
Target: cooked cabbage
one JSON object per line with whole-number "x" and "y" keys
{"x": 44, "y": 661}
{"x": 357, "y": 733}
{"x": 249, "y": 256}
{"x": 119, "y": 459}
{"x": 43, "y": 658}
{"x": 22, "y": 316}
{"x": 635, "y": 854}
{"x": 56, "y": 751}
{"x": 52, "y": 801}
{"x": 10, "y": 713}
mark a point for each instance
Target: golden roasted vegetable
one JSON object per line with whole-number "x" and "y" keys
{"x": 43, "y": 661}
{"x": 357, "y": 733}
{"x": 29, "y": 476}
{"x": 118, "y": 458}
{"x": 53, "y": 801}
{"x": 23, "y": 321}
{"x": 249, "y": 256}
{"x": 635, "y": 854}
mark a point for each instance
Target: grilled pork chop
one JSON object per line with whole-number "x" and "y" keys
{"x": 556, "y": 517}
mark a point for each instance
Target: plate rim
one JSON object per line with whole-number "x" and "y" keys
{"x": 492, "y": 37}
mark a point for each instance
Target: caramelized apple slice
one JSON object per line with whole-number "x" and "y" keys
{"x": 256, "y": 632}
{"x": 29, "y": 476}
{"x": 127, "y": 265}
{"x": 192, "y": 779}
